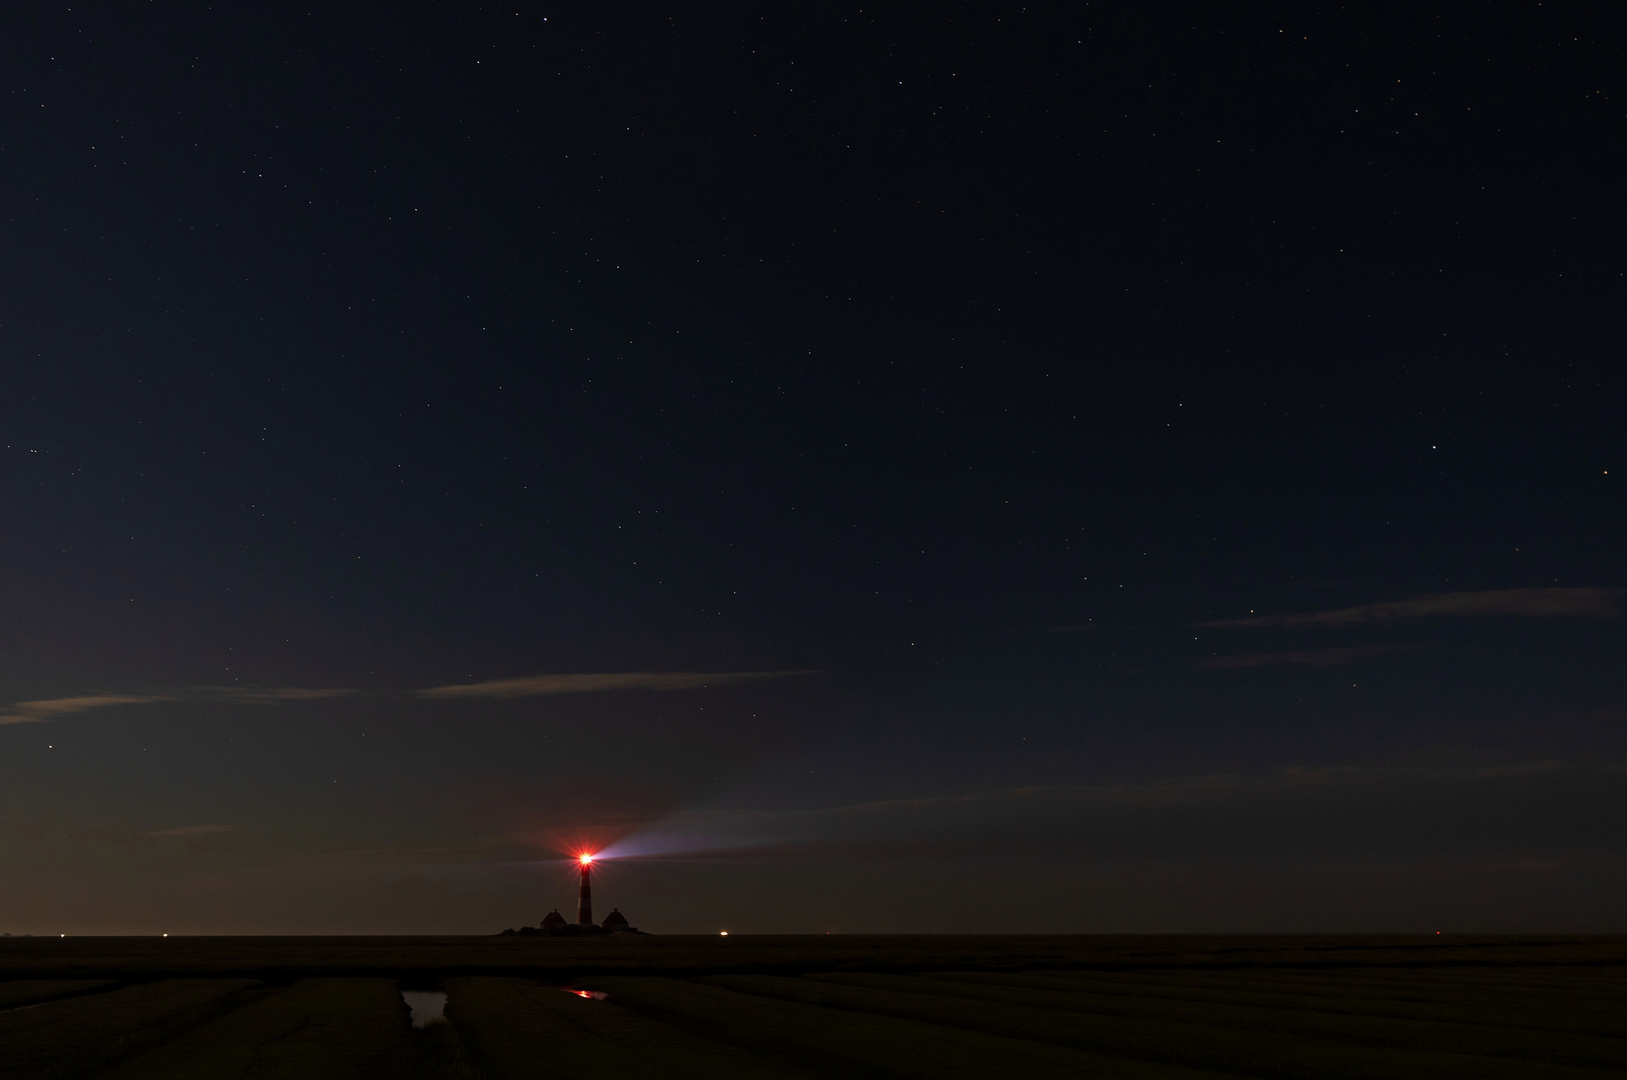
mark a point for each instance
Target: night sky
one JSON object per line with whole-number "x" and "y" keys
{"x": 952, "y": 467}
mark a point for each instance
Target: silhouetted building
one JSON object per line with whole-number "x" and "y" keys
{"x": 554, "y": 924}
{"x": 616, "y": 921}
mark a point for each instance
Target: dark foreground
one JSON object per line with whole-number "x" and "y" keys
{"x": 1163, "y": 1007}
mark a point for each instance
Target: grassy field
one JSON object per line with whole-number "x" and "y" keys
{"x": 29, "y": 991}
{"x": 81, "y": 1036}
{"x": 315, "y": 1028}
{"x": 803, "y": 1008}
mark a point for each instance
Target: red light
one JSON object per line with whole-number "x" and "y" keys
{"x": 585, "y": 859}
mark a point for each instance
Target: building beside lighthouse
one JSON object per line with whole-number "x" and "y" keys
{"x": 555, "y": 925}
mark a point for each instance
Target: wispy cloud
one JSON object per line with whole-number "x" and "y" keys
{"x": 273, "y": 693}
{"x": 1310, "y": 658}
{"x": 542, "y": 685}
{"x": 35, "y": 712}
{"x": 1536, "y": 603}
{"x": 192, "y": 830}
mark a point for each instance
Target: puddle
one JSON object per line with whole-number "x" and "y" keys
{"x": 591, "y": 995}
{"x": 428, "y": 1006}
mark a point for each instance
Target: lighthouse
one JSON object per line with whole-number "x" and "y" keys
{"x": 554, "y": 924}
{"x": 584, "y": 901}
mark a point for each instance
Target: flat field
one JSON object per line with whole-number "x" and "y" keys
{"x": 1176, "y": 1008}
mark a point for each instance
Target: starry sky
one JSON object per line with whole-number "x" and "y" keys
{"x": 956, "y": 467}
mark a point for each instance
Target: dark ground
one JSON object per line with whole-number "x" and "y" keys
{"x": 430, "y": 957}
{"x": 895, "y": 1006}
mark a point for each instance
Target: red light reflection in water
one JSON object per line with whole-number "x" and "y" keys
{"x": 592, "y": 995}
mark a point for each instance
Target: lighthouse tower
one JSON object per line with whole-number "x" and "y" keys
{"x": 584, "y": 901}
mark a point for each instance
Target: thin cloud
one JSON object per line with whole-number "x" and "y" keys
{"x": 34, "y": 712}
{"x": 544, "y": 685}
{"x": 1585, "y": 603}
{"x": 1310, "y": 658}
{"x": 258, "y": 694}
{"x": 37, "y": 712}
{"x": 192, "y": 830}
